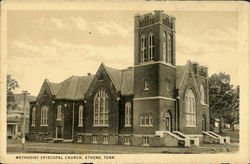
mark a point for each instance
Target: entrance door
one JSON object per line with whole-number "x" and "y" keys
{"x": 168, "y": 121}
{"x": 204, "y": 123}
{"x": 59, "y": 132}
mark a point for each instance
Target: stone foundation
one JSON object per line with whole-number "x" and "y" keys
{"x": 131, "y": 139}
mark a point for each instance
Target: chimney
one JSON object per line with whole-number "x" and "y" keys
{"x": 89, "y": 73}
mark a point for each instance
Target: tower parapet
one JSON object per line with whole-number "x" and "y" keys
{"x": 200, "y": 70}
{"x": 142, "y": 21}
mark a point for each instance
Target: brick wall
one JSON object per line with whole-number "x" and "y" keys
{"x": 122, "y": 128}
{"x": 146, "y": 107}
{"x": 149, "y": 72}
{"x": 95, "y": 86}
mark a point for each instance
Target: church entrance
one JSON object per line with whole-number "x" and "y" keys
{"x": 204, "y": 123}
{"x": 168, "y": 121}
{"x": 59, "y": 132}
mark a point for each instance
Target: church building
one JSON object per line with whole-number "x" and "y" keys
{"x": 153, "y": 103}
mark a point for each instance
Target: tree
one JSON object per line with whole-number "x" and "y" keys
{"x": 233, "y": 116}
{"x": 12, "y": 84}
{"x": 222, "y": 99}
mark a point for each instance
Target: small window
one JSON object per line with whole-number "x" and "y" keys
{"x": 164, "y": 50}
{"x": 146, "y": 84}
{"x": 59, "y": 112}
{"x": 150, "y": 120}
{"x": 145, "y": 141}
{"x": 151, "y": 47}
{"x": 80, "y": 116}
{"x": 44, "y": 115}
{"x": 94, "y": 139}
{"x": 168, "y": 84}
{"x": 128, "y": 114}
{"x": 142, "y": 120}
{"x": 143, "y": 49}
{"x": 169, "y": 49}
{"x": 126, "y": 140}
{"x": 33, "y": 116}
{"x": 202, "y": 92}
{"x": 146, "y": 120}
{"x": 105, "y": 139}
{"x": 79, "y": 138}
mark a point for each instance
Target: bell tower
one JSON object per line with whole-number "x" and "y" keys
{"x": 154, "y": 38}
{"x": 154, "y": 70}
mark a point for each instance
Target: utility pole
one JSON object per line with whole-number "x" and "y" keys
{"x": 25, "y": 93}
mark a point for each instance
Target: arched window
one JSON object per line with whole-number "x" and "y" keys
{"x": 101, "y": 108}
{"x": 128, "y": 114}
{"x": 190, "y": 107}
{"x": 44, "y": 115}
{"x": 169, "y": 49}
{"x": 80, "y": 116}
{"x": 202, "y": 94}
{"x": 33, "y": 117}
{"x": 164, "y": 52}
{"x": 59, "y": 112}
{"x": 143, "y": 49}
{"x": 150, "y": 46}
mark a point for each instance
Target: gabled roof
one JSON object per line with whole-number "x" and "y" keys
{"x": 122, "y": 79}
{"x": 127, "y": 84}
{"x": 55, "y": 87}
{"x": 179, "y": 75}
{"x": 181, "y": 71}
{"x": 115, "y": 75}
{"x": 74, "y": 87}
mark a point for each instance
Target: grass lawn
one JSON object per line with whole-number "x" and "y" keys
{"x": 234, "y": 135}
{"x": 14, "y": 146}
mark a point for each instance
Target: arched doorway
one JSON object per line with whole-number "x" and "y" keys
{"x": 168, "y": 121}
{"x": 203, "y": 128}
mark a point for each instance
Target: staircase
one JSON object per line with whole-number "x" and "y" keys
{"x": 191, "y": 141}
{"x": 183, "y": 136}
{"x": 174, "y": 138}
{"x": 211, "y": 137}
{"x": 224, "y": 139}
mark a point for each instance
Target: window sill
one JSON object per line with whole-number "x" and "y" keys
{"x": 127, "y": 126}
{"x": 95, "y": 142}
{"x": 126, "y": 143}
{"x": 100, "y": 125}
{"x": 58, "y": 119}
{"x": 191, "y": 126}
{"x": 80, "y": 126}
{"x": 43, "y": 125}
{"x": 146, "y": 125}
{"x": 105, "y": 143}
{"x": 145, "y": 144}
{"x": 146, "y": 89}
{"x": 203, "y": 104}
{"x": 33, "y": 125}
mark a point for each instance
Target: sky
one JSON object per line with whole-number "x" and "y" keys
{"x": 58, "y": 44}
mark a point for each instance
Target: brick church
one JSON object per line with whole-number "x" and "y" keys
{"x": 153, "y": 103}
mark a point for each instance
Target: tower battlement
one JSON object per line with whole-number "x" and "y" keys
{"x": 200, "y": 70}
{"x": 158, "y": 16}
